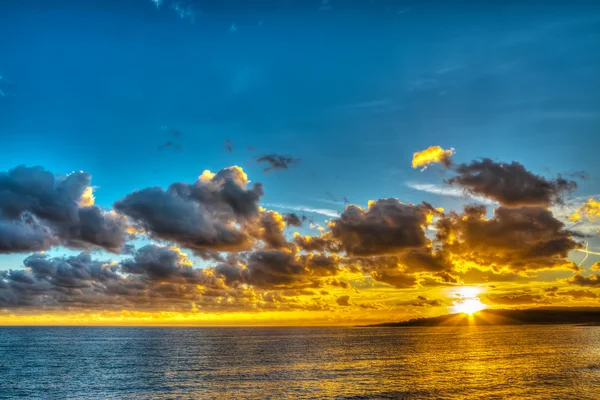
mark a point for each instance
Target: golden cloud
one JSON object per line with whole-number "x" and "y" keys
{"x": 431, "y": 155}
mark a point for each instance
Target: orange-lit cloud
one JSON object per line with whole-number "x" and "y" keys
{"x": 87, "y": 198}
{"x": 431, "y": 155}
{"x": 589, "y": 210}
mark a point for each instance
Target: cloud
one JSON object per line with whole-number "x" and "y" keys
{"x": 372, "y": 306}
{"x": 431, "y": 155}
{"x": 510, "y": 184}
{"x": 228, "y": 146}
{"x": 514, "y": 239}
{"x": 47, "y": 282}
{"x": 160, "y": 264}
{"x": 87, "y": 198}
{"x": 573, "y": 213}
{"x": 593, "y": 280}
{"x": 475, "y": 275}
{"x": 277, "y": 269}
{"x": 252, "y": 263}
{"x": 589, "y": 210}
{"x": 516, "y": 299}
{"x": 323, "y": 211}
{"x": 39, "y": 209}
{"x": 292, "y": 219}
{"x": 270, "y": 229}
{"x": 424, "y": 302}
{"x": 316, "y": 243}
{"x": 343, "y": 301}
{"x": 277, "y": 161}
{"x": 387, "y": 226}
{"x": 208, "y": 214}
{"x": 395, "y": 278}
{"x": 579, "y": 294}
{"x": 185, "y": 11}
{"x": 447, "y": 191}
{"x": 24, "y": 235}
{"x": 156, "y": 278}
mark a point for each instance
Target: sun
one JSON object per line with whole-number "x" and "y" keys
{"x": 469, "y": 306}
{"x": 468, "y": 302}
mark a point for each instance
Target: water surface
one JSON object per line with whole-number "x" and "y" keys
{"x": 341, "y": 363}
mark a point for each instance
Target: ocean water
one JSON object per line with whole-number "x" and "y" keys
{"x": 518, "y": 362}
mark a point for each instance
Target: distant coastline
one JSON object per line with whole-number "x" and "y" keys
{"x": 532, "y": 316}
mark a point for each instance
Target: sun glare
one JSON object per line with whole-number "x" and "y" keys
{"x": 469, "y": 306}
{"x": 468, "y": 302}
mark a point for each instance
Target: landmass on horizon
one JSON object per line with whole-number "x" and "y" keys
{"x": 529, "y": 316}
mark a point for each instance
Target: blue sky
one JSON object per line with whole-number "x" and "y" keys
{"x": 353, "y": 89}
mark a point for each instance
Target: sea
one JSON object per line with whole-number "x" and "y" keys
{"x": 471, "y": 362}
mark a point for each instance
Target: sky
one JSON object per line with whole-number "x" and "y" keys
{"x": 367, "y": 161}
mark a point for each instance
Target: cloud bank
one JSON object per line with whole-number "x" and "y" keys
{"x": 252, "y": 260}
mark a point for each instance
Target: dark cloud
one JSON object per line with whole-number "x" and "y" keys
{"x": 423, "y": 260}
{"x": 396, "y": 278}
{"x": 277, "y": 161}
{"x": 96, "y": 227}
{"x": 269, "y": 269}
{"x": 424, "y": 302}
{"x": 71, "y": 272}
{"x": 270, "y": 229}
{"x": 579, "y": 294}
{"x": 510, "y": 184}
{"x": 405, "y": 269}
{"x": 518, "y": 239}
{"x": 201, "y": 215}
{"x": 371, "y": 306}
{"x": 387, "y": 226}
{"x": 319, "y": 265}
{"x": 155, "y": 278}
{"x": 158, "y": 263}
{"x": 162, "y": 278}
{"x": 343, "y": 301}
{"x": 49, "y": 282}
{"x": 445, "y": 277}
{"x": 229, "y": 146}
{"x": 24, "y": 235}
{"x": 593, "y": 280}
{"x": 39, "y": 209}
{"x": 386, "y": 241}
{"x": 292, "y": 219}
{"x": 316, "y": 243}
{"x": 516, "y": 298}
{"x": 272, "y": 269}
